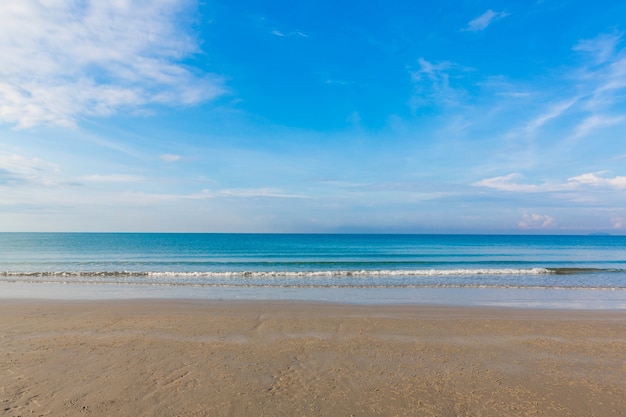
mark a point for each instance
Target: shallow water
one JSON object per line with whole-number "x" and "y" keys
{"x": 549, "y": 271}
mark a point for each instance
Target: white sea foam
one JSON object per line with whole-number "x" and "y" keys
{"x": 287, "y": 274}
{"x": 359, "y": 273}
{"x": 313, "y": 286}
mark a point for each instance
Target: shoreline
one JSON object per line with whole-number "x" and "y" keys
{"x": 284, "y": 358}
{"x": 522, "y": 298}
{"x": 277, "y": 303}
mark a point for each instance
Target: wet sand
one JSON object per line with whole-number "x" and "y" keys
{"x": 211, "y": 358}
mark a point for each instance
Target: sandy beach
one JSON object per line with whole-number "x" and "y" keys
{"x": 211, "y": 358}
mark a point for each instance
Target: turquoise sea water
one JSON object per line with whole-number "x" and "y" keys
{"x": 534, "y": 270}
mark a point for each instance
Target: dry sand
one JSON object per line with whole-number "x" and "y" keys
{"x": 193, "y": 358}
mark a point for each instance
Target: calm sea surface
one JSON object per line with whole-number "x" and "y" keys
{"x": 534, "y": 270}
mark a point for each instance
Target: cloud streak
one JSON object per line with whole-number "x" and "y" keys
{"x": 585, "y": 102}
{"x": 484, "y": 20}
{"x": 431, "y": 82}
{"x": 553, "y": 112}
{"x": 70, "y": 59}
{"x": 280, "y": 34}
{"x": 595, "y": 122}
{"x": 17, "y": 169}
{"x": 167, "y": 157}
{"x": 510, "y": 183}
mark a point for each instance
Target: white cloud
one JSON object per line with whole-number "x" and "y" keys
{"x": 601, "y": 48}
{"x": 595, "y": 122}
{"x": 593, "y": 180}
{"x": 615, "y": 78}
{"x": 278, "y": 33}
{"x": 597, "y": 85}
{"x": 18, "y": 172}
{"x": 484, "y": 20}
{"x": 68, "y": 59}
{"x": 432, "y": 81}
{"x": 19, "y": 169}
{"x": 142, "y": 198}
{"x": 166, "y": 157}
{"x": 536, "y": 221}
{"x": 509, "y": 183}
{"x": 432, "y": 70}
{"x": 553, "y": 112}
{"x": 602, "y": 79}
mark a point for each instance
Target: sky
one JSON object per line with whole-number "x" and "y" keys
{"x": 313, "y": 116}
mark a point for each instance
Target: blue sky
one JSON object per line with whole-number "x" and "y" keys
{"x": 301, "y": 116}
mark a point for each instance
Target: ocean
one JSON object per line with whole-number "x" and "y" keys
{"x": 528, "y": 271}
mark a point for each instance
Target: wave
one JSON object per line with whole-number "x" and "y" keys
{"x": 317, "y": 273}
{"x": 295, "y": 274}
{"x": 554, "y": 278}
{"x": 326, "y": 286}
{"x": 576, "y": 271}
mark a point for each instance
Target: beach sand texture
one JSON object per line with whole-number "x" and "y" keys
{"x": 198, "y": 358}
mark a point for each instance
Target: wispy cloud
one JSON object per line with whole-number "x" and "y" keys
{"x": 17, "y": 169}
{"x": 603, "y": 79}
{"x": 511, "y": 183}
{"x": 167, "y": 157}
{"x": 142, "y": 198}
{"x": 601, "y": 48}
{"x": 553, "y": 112}
{"x": 595, "y": 122}
{"x": 484, "y": 20}
{"x": 278, "y": 33}
{"x": 69, "y": 59}
{"x": 21, "y": 172}
{"x": 596, "y": 85}
{"x": 431, "y": 82}
{"x": 26, "y": 180}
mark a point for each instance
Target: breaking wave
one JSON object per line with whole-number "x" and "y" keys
{"x": 290, "y": 274}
